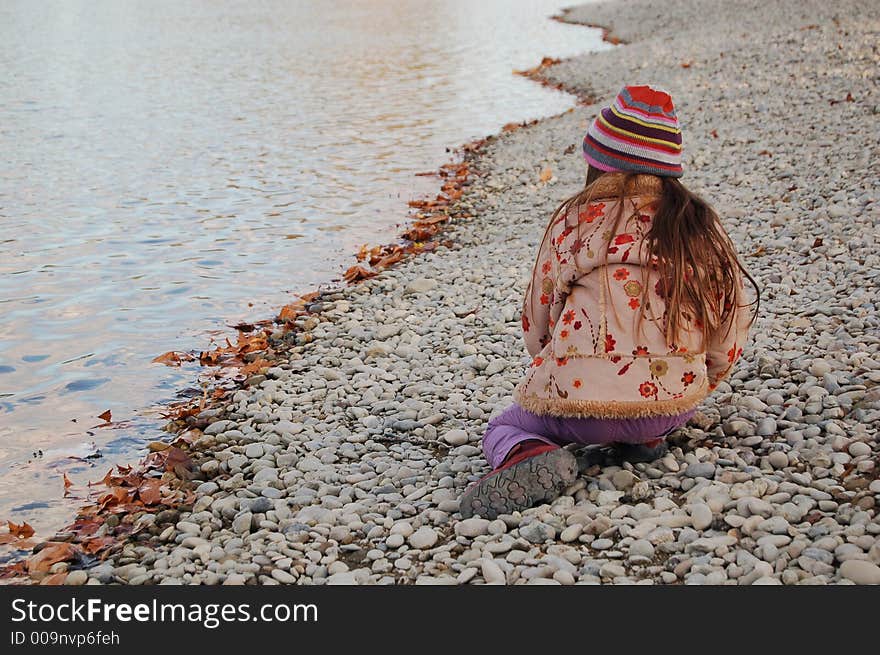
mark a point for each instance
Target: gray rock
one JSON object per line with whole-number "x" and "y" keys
{"x": 700, "y": 470}
{"x": 537, "y": 532}
{"x": 242, "y": 523}
{"x": 423, "y": 538}
{"x": 701, "y": 516}
{"x": 641, "y": 548}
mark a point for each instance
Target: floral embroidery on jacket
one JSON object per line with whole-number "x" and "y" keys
{"x": 580, "y": 314}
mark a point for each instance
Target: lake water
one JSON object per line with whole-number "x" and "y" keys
{"x": 172, "y": 168}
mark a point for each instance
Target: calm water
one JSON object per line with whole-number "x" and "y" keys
{"x": 171, "y": 168}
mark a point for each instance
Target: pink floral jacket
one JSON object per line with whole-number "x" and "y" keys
{"x": 580, "y": 314}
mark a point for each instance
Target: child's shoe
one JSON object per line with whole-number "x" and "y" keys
{"x": 642, "y": 452}
{"x": 533, "y": 472}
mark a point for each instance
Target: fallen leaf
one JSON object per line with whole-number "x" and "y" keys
{"x": 818, "y": 242}
{"x": 94, "y": 545}
{"x": 20, "y": 544}
{"x": 105, "y": 416}
{"x": 546, "y": 174}
{"x": 51, "y": 554}
{"x": 256, "y": 366}
{"x": 687, "y": 64}
{"x": 149, "y": 491}
{"x": 67, "y": 483}
{"x": 289, "y": 313}
{"x": 117, "y": 496}
{"x": 54, "y": 579}
{"x": 22, "y": 531}
{"x": 178, "y": 462}
{"x": 156, "y": 446}
{"x": 385, "y": 262}
{"x": 714, "y": 134}
{"x": 356, "y": 273}
{"x": 757, "y": 253}
{"x": 170, "y": 358}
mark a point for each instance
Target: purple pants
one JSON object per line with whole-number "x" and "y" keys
{"x": 516, "y": 424}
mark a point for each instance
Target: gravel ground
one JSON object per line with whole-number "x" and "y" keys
{"x": 346, "y": 464}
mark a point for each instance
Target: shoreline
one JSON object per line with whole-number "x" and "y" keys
{"x": 331, "y": 470}
{"x": 237, "y": 367}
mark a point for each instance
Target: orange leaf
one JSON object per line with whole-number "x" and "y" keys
{"x": 95, "y": 544}
{"x": 393, "y": 258}
{"x": 170, "y": 358}
{"x": 356, "y": 273}
{"x": 54, "y": 579}
{"x": 105, "y": 416}
{"x": 546, "y": 174}
{"x": 289, "y": 312}
{"x": 22, "y": 531}
{"x": 149, "y": 491}
{"x": 51, "y": 554}
{"x": 687, "y": 64}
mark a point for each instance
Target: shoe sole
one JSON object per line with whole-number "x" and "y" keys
{"x": 534, "y": 480}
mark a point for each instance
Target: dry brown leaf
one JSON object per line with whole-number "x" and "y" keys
{"x": 22, "y": 531}
{"x": 289, "y": 313}
{"x": 356, "y": 273}
{"x": 177, "y": 461}
{"x": 96, "y": 544}
{"x": 51, "y": 554}
{"x": 150, "y": 491}
{"x": 105, "y": 416}
{"x": 546, "y": 174}
{"x": 256, "y": 366}
{"x": 170, "y": 358}
{"x": 54, "y": 579}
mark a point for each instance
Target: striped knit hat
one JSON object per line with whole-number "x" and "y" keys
{"x": 638, "y": 133}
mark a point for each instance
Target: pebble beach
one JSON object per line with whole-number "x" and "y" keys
{"x": 345, "y": 464}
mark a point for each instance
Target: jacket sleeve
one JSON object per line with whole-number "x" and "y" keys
{"x": 543, "y": 301}
{"x": 723, "y": 350}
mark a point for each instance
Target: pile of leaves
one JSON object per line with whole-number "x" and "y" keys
{"x": 114, "y": 504}
{"x": 421, "y": 234}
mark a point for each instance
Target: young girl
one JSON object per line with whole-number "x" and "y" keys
{"x": 635, "y": 312}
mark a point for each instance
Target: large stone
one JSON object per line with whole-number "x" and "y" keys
{"x": 537, "y": 532}
{"x": 860, "y": 572}
{"x": 423, "y": 538}
{"x": 473, "y": 527}
{"x": 420, "y": 285}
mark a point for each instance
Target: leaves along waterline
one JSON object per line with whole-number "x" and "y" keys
{"x": 163, "y": 480}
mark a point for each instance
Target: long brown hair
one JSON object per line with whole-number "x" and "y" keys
{"x": 696, "y": 260}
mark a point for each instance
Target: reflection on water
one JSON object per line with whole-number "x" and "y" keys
{"x": 170, "y": 168}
